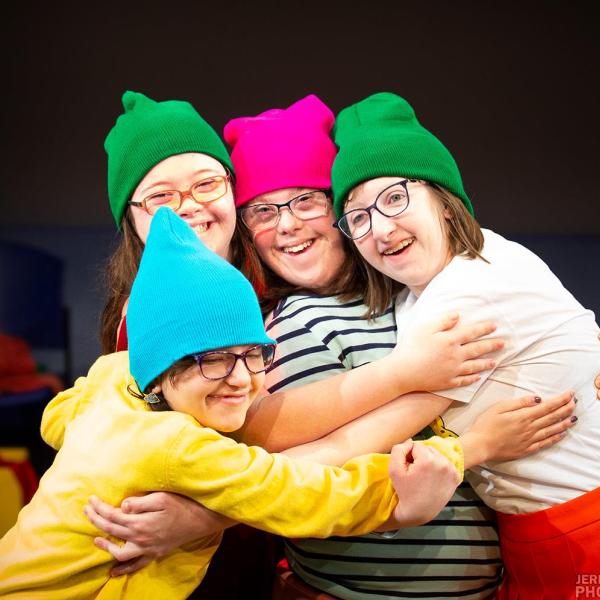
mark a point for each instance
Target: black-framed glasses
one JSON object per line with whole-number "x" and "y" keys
{"x": 219, "y": 364}
{"x": 206, "y": 190}
{"x": 390, "y": 202}
{"x": 309, "y": 205}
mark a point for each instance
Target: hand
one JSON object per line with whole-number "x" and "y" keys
{"x": 597, "y": 384}
{"x": 441, "y": 354}
{"x": 152, "y": 526}
{"x": 515, "y": 428}
{"x": 424, "y": 481}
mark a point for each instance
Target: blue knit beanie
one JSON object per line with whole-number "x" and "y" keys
{"x": 186, "y": 299}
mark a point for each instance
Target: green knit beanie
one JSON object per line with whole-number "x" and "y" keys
{"x": 380, "y": 136}
{"x": 147, "y": 133}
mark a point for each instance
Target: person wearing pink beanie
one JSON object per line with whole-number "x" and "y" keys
{"x": 283, "y": 157}
{"x": 315, "y": 286}
{"x": 281, "y": 147}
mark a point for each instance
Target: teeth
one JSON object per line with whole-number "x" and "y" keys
{"x": 298, "y": 248}
{"x": 201, "y": 228}
{"x": 401, "y": 245}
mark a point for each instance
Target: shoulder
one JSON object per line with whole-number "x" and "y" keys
{"x": 323, "y": 313}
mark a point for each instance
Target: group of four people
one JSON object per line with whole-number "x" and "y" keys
{"x": 363, "y": 259}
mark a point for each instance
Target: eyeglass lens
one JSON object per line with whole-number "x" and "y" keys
{"x": 304, "y": 207}
{"x": 390, "y": 202}
{"x": 205, "y": 190}
{"x": 217, "y": 365}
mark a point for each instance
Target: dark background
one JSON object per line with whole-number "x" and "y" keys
{"x": 512, "y": 90}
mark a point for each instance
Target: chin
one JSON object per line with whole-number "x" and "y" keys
{"x": 229, "y": 425}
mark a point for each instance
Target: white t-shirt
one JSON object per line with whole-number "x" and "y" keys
{"x": 551, "y": 346}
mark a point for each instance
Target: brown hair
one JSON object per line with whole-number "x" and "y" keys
{"x": 122, "y": 268}
{"x": 351, "y": 282}
{"x": 172, "y": 373}
{"x": 464, "y": 238}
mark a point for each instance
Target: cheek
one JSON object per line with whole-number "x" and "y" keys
{"x": 264, "y": 242}
{"x": 367, "y": 249}
{"x": 141, "y": 223}
{"x": 224, "y": 210}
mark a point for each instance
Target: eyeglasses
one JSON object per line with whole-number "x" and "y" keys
{"x": 310, "y": 205}
{"x": 205, "y": 190}
{"x": 390, "y": 202}
{"x": 218, "y": 365}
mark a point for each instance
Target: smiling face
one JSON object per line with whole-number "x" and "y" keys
{"x": 309, "y": 254}
{"x": 220, "y": 404}
{"x": 411, "y": 248}
{"x": 213, "y": 222}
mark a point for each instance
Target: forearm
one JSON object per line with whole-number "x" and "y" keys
{"x": 301, "y": 415}
{"x": 475, "y": 449}
{"x": 376, "y": 431}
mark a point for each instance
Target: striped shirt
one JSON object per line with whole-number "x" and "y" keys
{"x": 456, "y": 555}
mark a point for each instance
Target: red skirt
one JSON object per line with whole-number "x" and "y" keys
{"x": 553, "y": 554}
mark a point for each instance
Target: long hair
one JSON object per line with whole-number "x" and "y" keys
{"x": 121, "y": 269}
{"x": 349, "y": 284}
{"x": 123, "y": 265}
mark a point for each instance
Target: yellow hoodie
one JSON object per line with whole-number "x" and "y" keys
{"x": 111, "y": 445}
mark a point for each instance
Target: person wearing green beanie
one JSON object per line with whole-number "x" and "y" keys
{"x": 150, "y": 420}
{"x": 163, "y": 154}
{"x": 399, "y": 197}
{"x": 315, "y": 329}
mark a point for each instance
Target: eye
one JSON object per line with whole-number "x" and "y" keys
{"x": 213, "y": 359}
{"x": 357, "y": 218}
{"x": 396, "y": 197}
{"x": 262, "y": 212}
{"x": 304, "y": 201}
{"x": 161, "y": 198}
{"x": 207, "y": 185}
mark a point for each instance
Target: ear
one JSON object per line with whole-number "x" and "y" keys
{"x": 157, "y": 389}
{"x": 447, "y": 214}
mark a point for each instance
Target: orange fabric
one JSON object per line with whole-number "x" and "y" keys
{"x": 18, "y": 369}
{"x": 288, "y": 586}
{"x": 15, "y": 356}
{"x": 552, "y": 554}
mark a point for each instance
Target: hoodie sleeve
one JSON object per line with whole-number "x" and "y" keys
{"x": 69, "y": 404}
{"x": 293, "y": 498}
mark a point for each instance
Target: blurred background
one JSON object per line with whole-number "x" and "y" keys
{"x": 509, "y": 87}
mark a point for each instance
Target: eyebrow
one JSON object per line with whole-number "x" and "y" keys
{"x": 199, "y": 172}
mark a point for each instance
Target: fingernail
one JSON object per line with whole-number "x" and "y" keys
{"x": 574, "y": 419}
{"x": 537, "y": 399}
{"x": 575, "y": 399}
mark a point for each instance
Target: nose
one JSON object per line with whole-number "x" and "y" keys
{"x": 287, "y": 221}
{"x": 381, "y": 226}
{"x": 188, "y": 206}
{"x": 239, "y": 376}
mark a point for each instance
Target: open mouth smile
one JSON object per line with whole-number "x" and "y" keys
{"x": 298, "y": 248}
{"x": 399, "y": 248}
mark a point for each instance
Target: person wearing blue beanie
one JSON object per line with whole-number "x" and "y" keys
{"x": 198, "y": 352}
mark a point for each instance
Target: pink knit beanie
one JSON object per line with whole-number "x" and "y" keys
{"x": 282, "y": 148}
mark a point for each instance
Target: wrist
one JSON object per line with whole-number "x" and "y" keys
{"x": 475, "y": 449}
{"x": 393, "y": 373}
